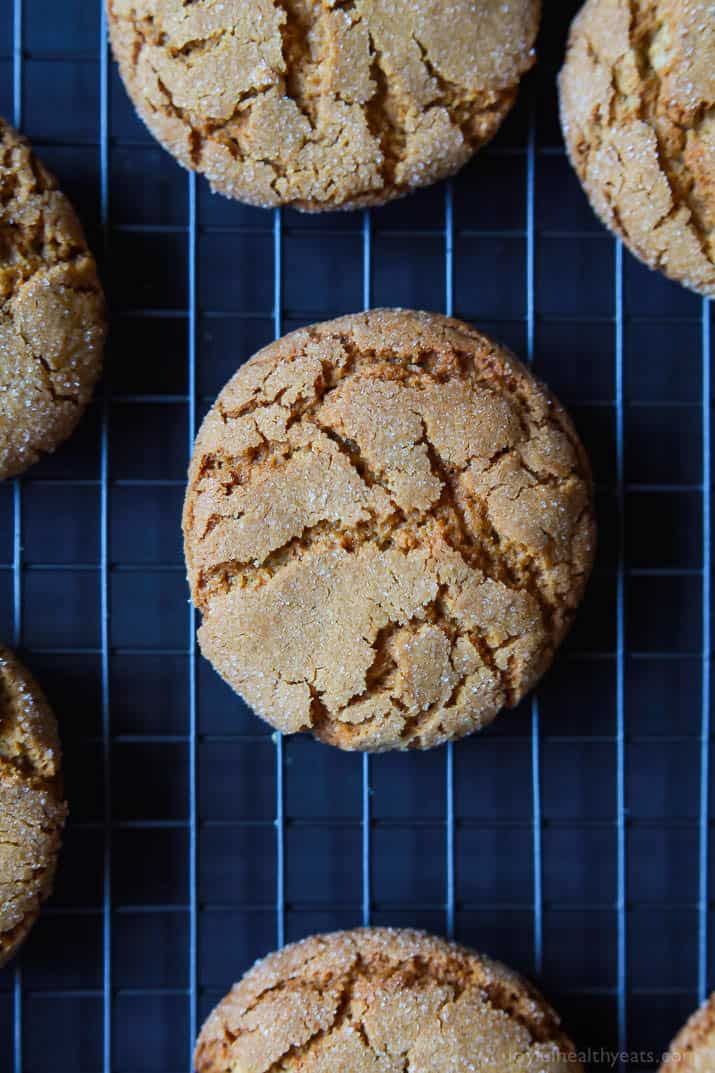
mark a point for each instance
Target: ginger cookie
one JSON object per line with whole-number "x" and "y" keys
{"x": 388, "y": 527}
{"x": 380, "y": 1000}
{"x": 32, "y": 810}
{"x": 693, "y": 1049}
{"x": 638, "y": 113}
{"x": 52, "y": 323}
{"x": 323, "y": 104}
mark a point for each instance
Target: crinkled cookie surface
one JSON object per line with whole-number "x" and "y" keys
{"x": 52, "y": 322}
{"x": 382, "y": 1001}
{"x": 638, "y": 111}
{"x": 388, "y": 527}
{"x": 32, "y": 812}
{"x": 323, "y": 103}
{"x": 693, "y": 1049}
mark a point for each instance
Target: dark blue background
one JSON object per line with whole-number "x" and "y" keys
{"x": 111, "y": 978}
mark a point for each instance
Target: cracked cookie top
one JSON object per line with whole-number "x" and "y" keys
{"x": 638, "y": 112}
{"x": 693, "y": 1049}
{"x": 379, "y": 1000}
{"x": 388, "y": 527}
{"x": 32, "y": 812}
{"x": 323, "y": 104}
{"x": 51, "y": 310}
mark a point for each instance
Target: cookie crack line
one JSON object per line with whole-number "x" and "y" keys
{"x": 295, "y": 49}
{"x": 390, "y": 138}
{"x": 356, "y": 458}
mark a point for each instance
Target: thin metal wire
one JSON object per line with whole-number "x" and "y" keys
{"x": 278, "y": 738}
{"x": 704, "y": 836}
{"x": 104, "y": 623}
{"x": 17, "y": 565}
{"x": 366, "y": 829}
{"x": 366, "y": 786}
{"x": 573, "y": 319}
{"x": 621, "y": 912}
{"x": 449, "y": 820}
{"x": 509, "y": 739}
{"x": 535, "y": 711}
{"x": 17, "y": 72}
{"x": 17, "y": 87}
{"x": 474, "y": 823}
{"x": 193, "y": 730}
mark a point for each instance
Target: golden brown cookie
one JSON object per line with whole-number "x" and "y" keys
{"x": 388, "y": 527}
{"x": 52, "y": 322}
{"x": 379, "y": 1000}
{"x": 693, "y": 1049}
{"x": 638, "y": 112}
{"x": 32, "y": 811}
{"x": 323, "y": 104}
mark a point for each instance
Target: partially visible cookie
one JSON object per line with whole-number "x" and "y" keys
{"x": 320, "y": 104}
{"x": 32, "y": 810}
{"x": 388, "y": 527}
{"x": 693, "y": 1049}
{"x": 52, "y": 322}
{"x": 380, "y": 1000}
{"x": 638, "y": 112}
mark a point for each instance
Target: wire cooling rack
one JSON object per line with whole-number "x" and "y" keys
{"x": 573, "y": 838}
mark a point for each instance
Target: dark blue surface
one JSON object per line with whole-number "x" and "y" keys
{"x": 588, "y": 877}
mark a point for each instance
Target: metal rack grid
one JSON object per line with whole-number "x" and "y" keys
{"x": 573, "y": 838}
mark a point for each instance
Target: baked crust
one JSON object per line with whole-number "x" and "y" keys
{"x": 379, "y": 1000}
{"x": 32, "y": 811}
{"x": 52, "y": 320}
{"x": 388, "y": 527}
{"x": 638, "y": 114}
{"x": 320, "y": 104}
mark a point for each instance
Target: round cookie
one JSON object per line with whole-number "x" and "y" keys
{"x": 379, "y": 1000}
{"x": 323, "y": 105}
{"x": 52, "y": 323}
{"x": 693, "y": 1049}
{"x": 388, "y": 527}
{"x": 32, "y": 811}
{"x": 638, "y": 113}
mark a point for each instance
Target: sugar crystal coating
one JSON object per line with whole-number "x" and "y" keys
{"x": 638, "y": 112}
{"x": 52, "y": 323}
{"x": 381, "y": 1000}
{"x": 32, "y": 812}
{"x": 388, "y": 527}
{"x": 319, "y": 103}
